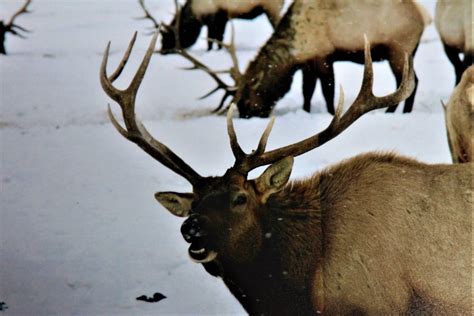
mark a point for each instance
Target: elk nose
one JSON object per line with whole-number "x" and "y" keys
{"x": 191, "y": 228}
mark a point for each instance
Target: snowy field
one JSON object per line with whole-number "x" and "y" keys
{"x": 80, "y": 231}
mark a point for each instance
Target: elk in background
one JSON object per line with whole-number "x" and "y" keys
{"x": 459, "y": 114}
{"x": 214, "y": 14}
{"x": 454, "y": 22}
{"x": 376, "y": 234}
{"x": 11, "y": 27}
{"x": 312, "y": 35}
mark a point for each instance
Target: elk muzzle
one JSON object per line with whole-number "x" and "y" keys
{"x": 194, "y": 232}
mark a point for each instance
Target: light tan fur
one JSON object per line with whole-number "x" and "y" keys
{"x": 236, "y": 8}
{"x": 313, "y": 34}
{"x": 324, "y": 26}
{"x": 396, "y": 229}
{"x": 460, "y": 118}
{"x": 455, "y": 23}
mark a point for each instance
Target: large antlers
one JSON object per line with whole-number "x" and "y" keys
{"x": 234, "y": 71}
{"x": 365, "y": 102}
{"x": 11, "y": 27}
{"x": 22, "y": 10}
{"x": 137, "y": 133}
{"x": 148, "y": 15}
{"x": 134, "y": 129}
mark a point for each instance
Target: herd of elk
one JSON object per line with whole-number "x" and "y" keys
{"x": 312, "y": 35}
{"x": 214, "y": 14}
{"x": 460, "y": 119}
{"x": 11, "y": 27}
{"x": 376, "y": 234}
{"x": 455, "y": 25}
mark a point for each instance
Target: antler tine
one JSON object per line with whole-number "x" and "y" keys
{"x": 239, "y": 154}
{"x": 124, "y": 60}
{"x": 198, "y": 65}
{"x": 148, "y": 14}
{"x": 134, "y": 130}
{"x": 235, "y": 72}
{"x": 262, "y": 144}
{"x": 223, "y": 99}
{"x": 23, "y": 9}
{"x": 234, "y": 144}
{"x": 365, "y": 102}
{"x": 237, "y": 75}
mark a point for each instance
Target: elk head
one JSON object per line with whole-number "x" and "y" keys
{"x": 12, "y": 28}
{"x": 183, "y": 30}
{"x": 225, "y": 214}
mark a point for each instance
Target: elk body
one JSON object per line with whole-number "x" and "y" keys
{"x": 377, "y": 234}
{"x": 454, "y": 22}
{"x": 214, "y": 14}
{"x": 11, "y": 27}
{"x": 313, "y": 34}
{"x": 460, "y": 119}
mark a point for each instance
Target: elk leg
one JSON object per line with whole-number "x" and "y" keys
{"x": 396, "y": 64}
{"x": 453, "y": 56}
{"x": 3, "y": 31}
{"x": 467, "y": 61}
{"x": 216, "y": 28}
{"x": 408, "y": 107}
{"x": 310, "y": 77}
{"x": 326, "y": 74}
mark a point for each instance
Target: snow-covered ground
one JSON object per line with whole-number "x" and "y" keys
{"x": 80, "y": 231}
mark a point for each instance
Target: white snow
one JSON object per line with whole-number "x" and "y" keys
{"x": 80, "y": 230}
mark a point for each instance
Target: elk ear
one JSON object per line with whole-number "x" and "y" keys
{"x": 178, "y": 204}
{"x": 274, "y": 178}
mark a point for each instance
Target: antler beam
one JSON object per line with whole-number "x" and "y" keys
{"x": 22, "y": 10}
{"x": 134, "y": 130}
{"x": 365, "y": 102}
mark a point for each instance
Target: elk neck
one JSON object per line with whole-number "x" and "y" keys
{"x": 269, "y": 76}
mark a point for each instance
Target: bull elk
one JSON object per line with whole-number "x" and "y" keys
{"x": 314, "y": 34}
{"x": 378, "y": 233}
{"x": 454, "y": 22}
{"x": 214, "y": 14}
{"x": 11, "y": 27}
{"x": 460, "y": 119}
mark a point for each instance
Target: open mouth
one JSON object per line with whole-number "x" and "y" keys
{"x": 199, "y": 252}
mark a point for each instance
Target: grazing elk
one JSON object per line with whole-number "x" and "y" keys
{"x": 454, "y": 22}
{"x": 460, "y": 119}
{"x": 214, "y": 14}
{"x": 312, "y": 35}
{"x": 377, "y": 234}
{"x": 11, "y": 27}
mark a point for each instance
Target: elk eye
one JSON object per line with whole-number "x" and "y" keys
{"x": 240, "y": 199}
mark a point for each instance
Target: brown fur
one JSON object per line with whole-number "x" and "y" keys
{"x": 322, "y": 32}
{"x": 238, "y": 8}
{"x": 377, "y": 234}
{"x": 460, "y": 119}
{"x": 214, "y": 14}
